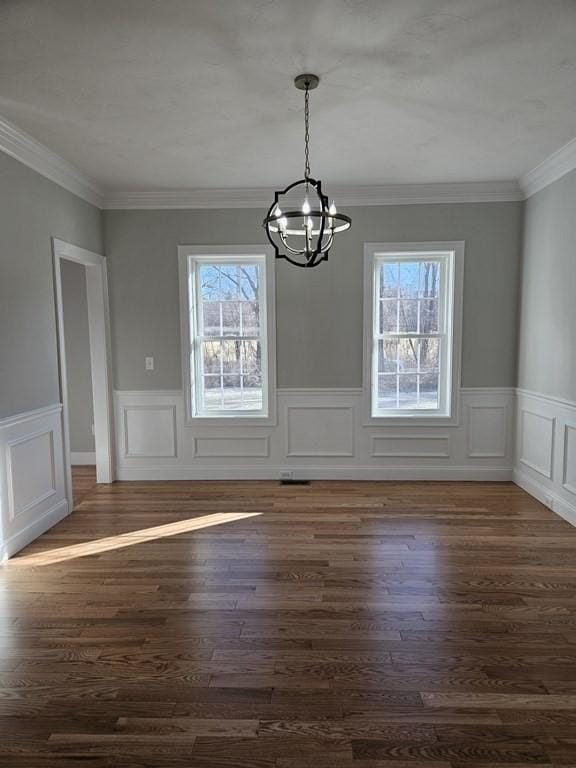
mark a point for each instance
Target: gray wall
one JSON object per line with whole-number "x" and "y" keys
{"x": 78, "y": 367}
{"x": 319, "y": 312}
{"x": 32, "y": 210}
{"x": 547, "y": 345}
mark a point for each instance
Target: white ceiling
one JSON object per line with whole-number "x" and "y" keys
{"x": 198, "y": 93}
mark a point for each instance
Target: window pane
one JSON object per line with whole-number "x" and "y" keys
{"x": 211, "y": 318}
{"x": 387, "y": 391}
{"x": 429, "y": 384}
{"x": 231, "y": 352}
{"x": 428, "y": 315}
{"x": 251, "y": 358}
{"x": 388, "y": 316}
{"x": 416, "y": 361}
{"x": 387, "y": 356}
{"x": 231, "y": 318}
{"x": 230, "y": 276}
{"x": 211, "y": 393}
{"x": 210, "y": 282}
{"x": 229, "y": 373}
{"x": 249, "y": 282}
{"x": 389, "y": 274}
{"x": 409, "y": 278}
{"x": 429, "y": 354}
{"x": 408, "y": 316}
{"x": 250, "y": 315}
{"x": 408, "y": 302}
{"x": 408, "y": 355}
{"x": 211, "y": 357}
{"x": 407, "y": 391}
{"x": 429, "y": 279}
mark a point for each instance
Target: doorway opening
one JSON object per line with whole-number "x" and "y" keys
{"x": 84, "y": 364}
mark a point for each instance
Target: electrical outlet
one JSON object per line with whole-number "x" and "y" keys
{"x": 149, "y": 363}
{"x": 286, "y": 474}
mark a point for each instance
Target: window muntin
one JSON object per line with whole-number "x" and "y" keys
{"x": 412, "y": 333}
{"x": 228, "y": 356}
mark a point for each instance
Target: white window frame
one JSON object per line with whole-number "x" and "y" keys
{"x": 189, "y": 257}
{"x": 451, "y": 255}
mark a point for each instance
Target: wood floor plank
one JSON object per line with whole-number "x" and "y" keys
{"x": 345, "y": 625}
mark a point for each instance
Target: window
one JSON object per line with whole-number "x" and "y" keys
{"x": 228, "y": 307}
{"x": 412, "y": 333}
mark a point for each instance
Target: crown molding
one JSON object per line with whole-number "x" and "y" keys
{"x": 389, "y": 194}
{"x": 553, "y": 168}
{"x": 19, "y": 145}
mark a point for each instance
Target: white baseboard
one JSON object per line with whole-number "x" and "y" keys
{"x": 545, "y": 496}
{"x": 259, "y": 472}
{"x": 79, "y": 458}
{"x": 25, "y": 536}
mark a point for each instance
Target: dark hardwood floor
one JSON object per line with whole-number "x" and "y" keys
{"x": 340, "y": 625}
{"x": 83, "y": 482}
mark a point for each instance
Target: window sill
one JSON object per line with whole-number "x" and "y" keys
{"x": 231, "y": 421}
{"x": 413, "y": 420}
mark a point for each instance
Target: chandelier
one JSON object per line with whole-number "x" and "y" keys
{"x": 300, "y": 223}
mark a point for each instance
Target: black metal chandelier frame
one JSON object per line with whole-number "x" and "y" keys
{"x": 319, "y": 221}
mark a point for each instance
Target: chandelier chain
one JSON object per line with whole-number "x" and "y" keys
{"x": 307, "y": 134}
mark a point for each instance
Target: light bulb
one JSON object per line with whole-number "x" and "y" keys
{"x": 277, "y": 212}
{"x": 309, "y": 223}
{"x": 306, "y": 207}
{"x": 283, "y": 222}
{"x": 332, "y": 210}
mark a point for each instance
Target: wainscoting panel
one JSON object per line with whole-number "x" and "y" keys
{"x": 319, "y": 430}
{"x": 487, "y": 431}
{"x": 545, "y": 464}
{"x": 227, "y": 447}
{"x": 319, "y": 435}
{"x": 32, "y": 478}
{"x": 536, "y": 441}
{"x": 411, "y": 446}
{"x": 569, "y": 469}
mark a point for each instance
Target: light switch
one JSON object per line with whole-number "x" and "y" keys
{"x": 149, "y": 363}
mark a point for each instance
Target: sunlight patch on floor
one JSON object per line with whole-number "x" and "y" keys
{"x": 127, "y": 539}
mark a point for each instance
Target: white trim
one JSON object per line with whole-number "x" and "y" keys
{"x": 100, "y": 358}
{"x": 559, "y": 401}
{"x": 349, "y": 452}
{"x": 311, "y": 472}
{"x": 32, "y": 476}
{"x": 454, "y": 298}
{"x": 21, "y": 146}
{"x": 552, "y": 482}
{"x": 545, "y": 472}
{"x": 83, "y": 458}
{"x": 566, "y": 485}
{"x": 384, "y": 194}
{"x": 24, "y": 537}
{"x": 20, "y": 418}
{"x": 27, "y": 150}
{"x": 407, "y": 454}
{"x": 265, "y": 254}
{"x": 551, "y": 169}
{"x": 545, "y": 496}
{"x": 328, "y": 441}
{"x": 319, "y": 391}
